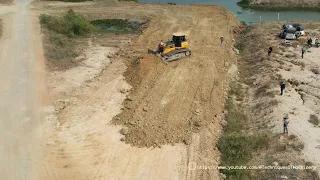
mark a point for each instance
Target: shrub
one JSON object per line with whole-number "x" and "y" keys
{"x": 314, "y": 119}
{"x": 70, "y": 24}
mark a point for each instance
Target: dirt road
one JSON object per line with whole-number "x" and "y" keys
{"x": 22, "y": 84}
{"x": 86, "y": 145}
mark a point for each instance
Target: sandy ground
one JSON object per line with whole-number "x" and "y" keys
{"x": 84, "y": 144}
{"x": 301, "y": 104}
{"x": 21, "y": 91}
{"x": 301, "y": 97}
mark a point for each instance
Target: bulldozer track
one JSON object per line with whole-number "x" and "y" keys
{"x": 176, "y": 55}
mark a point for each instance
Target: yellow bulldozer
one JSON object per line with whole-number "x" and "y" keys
{"x": 174, "y": 49}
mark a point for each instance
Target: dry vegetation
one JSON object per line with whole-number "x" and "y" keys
{"x": 61, "y": 37}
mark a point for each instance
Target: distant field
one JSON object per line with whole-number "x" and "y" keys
{"x": 6, "y": 1}
{"x": 291, "y": 3}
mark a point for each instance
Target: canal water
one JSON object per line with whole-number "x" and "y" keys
{"x": 247, "y": 15}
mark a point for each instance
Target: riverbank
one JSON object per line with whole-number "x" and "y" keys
{"x": 270, "y": 5}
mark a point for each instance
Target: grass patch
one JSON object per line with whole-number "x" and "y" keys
{"x": 71, "y": 24}
{"x": 314, "y": 119}
{"x": 129, "y": 0}
{"x": 236, "y": 90}
{"x": 235, "y": 145}
{"x": 262, "y": 90}
{"x": 60, "y": 51}
{"x": 60, "y": 42}
{"x": 264, "y": 7}
{"x": 241, "y": 43}
{"x": 122, "y": 26}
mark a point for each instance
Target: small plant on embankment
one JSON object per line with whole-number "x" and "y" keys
{"x": 314, "y": 120}
{"x": 235, "y": 145}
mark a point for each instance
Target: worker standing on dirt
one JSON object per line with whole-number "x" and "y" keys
{"x": 282, "y": 87}
{"x": 303, "y": 50}
{"x": 285, "y": 124}
{"x": 316, "y": 42}
{"x": 310, "y": 42}
{"x": 221, "y": 40}
{"x": 269, "y": 51}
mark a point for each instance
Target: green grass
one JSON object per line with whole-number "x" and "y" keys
{"x": 246, "y": 4}
{"x": 240, "y": 45}
{"x": 122, "y": 26}
{"x": 237, "y": 150}
{"x": 71, "y": 24}
{"x": 235, "y": 145}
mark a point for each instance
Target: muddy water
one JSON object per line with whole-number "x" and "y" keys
{"x": 248, "y": 16}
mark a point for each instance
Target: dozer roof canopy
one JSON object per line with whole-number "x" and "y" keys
{"x": 179, "y": 34}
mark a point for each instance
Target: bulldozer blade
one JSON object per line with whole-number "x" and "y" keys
{"x": 151, "y": 52}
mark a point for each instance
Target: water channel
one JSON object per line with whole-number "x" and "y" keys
{"x": 247, "y": 15}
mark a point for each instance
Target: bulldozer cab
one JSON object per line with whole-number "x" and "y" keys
{"x": 178, "y": 38}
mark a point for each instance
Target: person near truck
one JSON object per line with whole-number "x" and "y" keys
{"x": 285, "y": 124}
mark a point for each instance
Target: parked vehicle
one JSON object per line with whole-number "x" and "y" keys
{"x": 290, "y": 33}
{"x": 300, "y": 29}
{"x": 317, "y": 42}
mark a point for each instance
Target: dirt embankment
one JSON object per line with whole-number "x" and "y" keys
{"x": 170, "y": 102}
{"x": 262, "y": 75}
{"x": 287, "y": 3}
{"x": 165, "y": 104}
